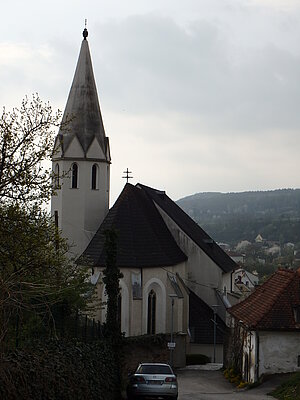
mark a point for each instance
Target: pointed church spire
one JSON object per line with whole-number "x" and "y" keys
{"x": 82, "y": 107}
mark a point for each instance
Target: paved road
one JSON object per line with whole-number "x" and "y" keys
{"x": 208, "y": 385}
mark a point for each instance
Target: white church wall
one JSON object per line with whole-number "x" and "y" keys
{"x": 81, "y": 210}
{"x": 203, "y": 275}
{"x": 134, "y": 311}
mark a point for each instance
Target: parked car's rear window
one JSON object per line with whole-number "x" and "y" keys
{"x": 154, "y": 369}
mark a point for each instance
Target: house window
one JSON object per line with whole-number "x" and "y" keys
{"x": 94, "y": 177}
{"x": 151, "y": 313}
{"x": 56, "y": 177}
{"x": 74, "y": 183}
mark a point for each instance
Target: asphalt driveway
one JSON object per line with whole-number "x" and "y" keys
{"x": 208, "y": 385}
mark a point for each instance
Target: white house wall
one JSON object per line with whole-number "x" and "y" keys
{"x": 269, "y": 352}
{"x": 278, "y": 352}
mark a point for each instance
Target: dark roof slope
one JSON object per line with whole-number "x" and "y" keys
{"x": 201, "y": 324}
{"x": 82, "y": 108}
{"x": 193, "y": 230}
{"x": 143, "y": 238}
{"x": 271, "y": 305}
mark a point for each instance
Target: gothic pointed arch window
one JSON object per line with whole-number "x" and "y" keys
{"x": 74, "y": 177}
{"x": 94, "y": 177}
{"x": 151, "y": 312}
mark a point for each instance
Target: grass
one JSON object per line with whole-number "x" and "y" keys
{"x": 289, "y": 390}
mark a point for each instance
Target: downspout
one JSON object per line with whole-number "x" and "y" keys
{"x": 257, "y": 358}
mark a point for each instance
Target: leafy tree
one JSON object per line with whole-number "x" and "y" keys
{"x": 36, "y": 276}
{"x": 26, "y": 141}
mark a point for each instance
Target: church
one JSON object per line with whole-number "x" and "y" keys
{"x": 175, "y": 277}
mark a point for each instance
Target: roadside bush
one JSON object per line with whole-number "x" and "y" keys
{"x": 289, "y": 390}
{"x": 59, "y": 370}
{"x": 234, "y": 377}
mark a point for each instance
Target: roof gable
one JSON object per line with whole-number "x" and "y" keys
{"x": 143, "y": 238}
{"x": 74, "y": 150}
{"x": 271, "y": 305}
{"x": 191, "y": 228}
{"x": 95, "y": 150}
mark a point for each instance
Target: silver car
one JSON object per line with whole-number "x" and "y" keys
{"x": 152, "y": 380}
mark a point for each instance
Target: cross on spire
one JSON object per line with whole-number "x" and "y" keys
{"x": 127, "y": 177}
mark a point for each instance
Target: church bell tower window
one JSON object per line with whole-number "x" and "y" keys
{"x": 151, "y": 313}
{"x": 74, "y": 176}
{"x": 94, "y": 177}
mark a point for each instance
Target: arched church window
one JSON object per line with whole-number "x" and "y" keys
{"x": 56, "y": 176}
{"x": 151, "y": 313}
{"x": 94, "y": 177}
{"x": 74, "y": 184}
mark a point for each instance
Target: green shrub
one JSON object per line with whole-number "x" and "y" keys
{"x": 289, "y": 390}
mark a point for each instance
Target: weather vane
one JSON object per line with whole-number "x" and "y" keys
{"x": 85, "y": 31}
{"x": 127, "y": 177}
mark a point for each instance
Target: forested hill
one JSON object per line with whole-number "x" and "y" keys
{"x": 231, "y": 217}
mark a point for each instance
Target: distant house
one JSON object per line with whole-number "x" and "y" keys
{"x": 247, "y": 278}
{"x": 266, "y": 327}
{"x": 237, "y": 257}
{"x": 244, "y": 282}
{"x": 259, "y": 239}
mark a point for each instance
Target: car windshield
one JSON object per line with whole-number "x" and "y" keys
{"x": 154, "y": 369}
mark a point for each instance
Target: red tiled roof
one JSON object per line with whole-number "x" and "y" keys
{"x": 271, "y": 305}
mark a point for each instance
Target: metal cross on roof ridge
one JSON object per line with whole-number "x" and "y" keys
{"x": 127, "y": 177}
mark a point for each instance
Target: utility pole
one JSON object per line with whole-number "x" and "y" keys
{"x": 171, "y": 345}
{"x": 214, "y": 307}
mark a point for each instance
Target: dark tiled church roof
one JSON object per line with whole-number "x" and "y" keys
{"x": 193, "y": 230}
{"x": 273, "y": 305}
{"x": 143, "y": 238}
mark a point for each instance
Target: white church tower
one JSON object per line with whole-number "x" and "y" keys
{"x": 82, "y": 159}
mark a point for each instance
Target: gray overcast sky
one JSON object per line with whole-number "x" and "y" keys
{"x": 195, "y": 95}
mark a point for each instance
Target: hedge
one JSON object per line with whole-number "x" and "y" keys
{"x": 60, "y": 370}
